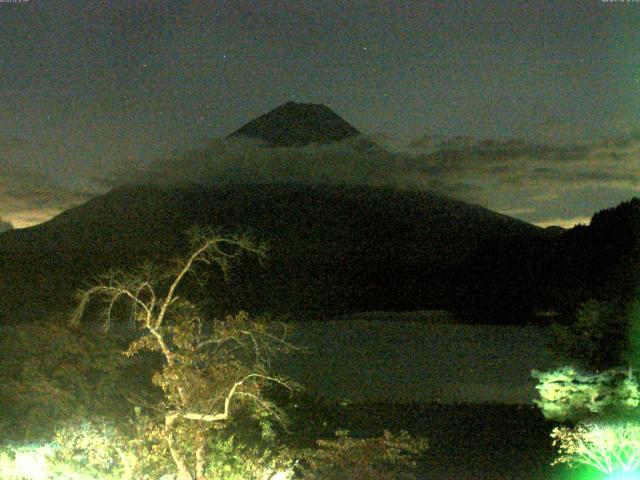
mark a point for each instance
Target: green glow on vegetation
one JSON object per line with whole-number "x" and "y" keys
{"x": 609, "y": 448}
{"x": 624, "y": 476}
{"x": 43, "y": 462}
{"x": 29, "y": 462}
{"x": 584, "y": 472}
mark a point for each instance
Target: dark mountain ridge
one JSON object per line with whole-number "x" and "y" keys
{"x": 334, "y": 249}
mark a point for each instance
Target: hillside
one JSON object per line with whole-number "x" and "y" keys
{"x": 334, "y": 249}
{"x": 599, "y": 260}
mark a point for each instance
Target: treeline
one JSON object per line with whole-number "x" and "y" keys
{"x": 509, "y": 282}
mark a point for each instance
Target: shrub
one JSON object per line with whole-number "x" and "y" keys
{"x": 566, "y": 394}
{"x": 607, "y": 447}
{"x": 388, "y": 457}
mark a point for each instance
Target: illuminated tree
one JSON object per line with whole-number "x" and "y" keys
{"x": 605, "y": 442}
{"x": 605, "y": 401}
{"x": 209, "y": 369}
{"x": 609, "y": 448}
{"x": 566, "y": 394}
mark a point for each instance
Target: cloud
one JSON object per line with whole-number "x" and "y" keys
{"x": 28, "y": 198}
{"x": 533, "y": 179}
{"x": 539, "y": 183}
{"x": 356, "y": 161}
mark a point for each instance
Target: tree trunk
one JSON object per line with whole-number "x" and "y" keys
{"x": 200, "y": 459}
{"x": 182, "y": 468}
{"x": 183, "y": 472}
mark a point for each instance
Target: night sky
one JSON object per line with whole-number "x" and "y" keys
{"x": 91, "y": 87}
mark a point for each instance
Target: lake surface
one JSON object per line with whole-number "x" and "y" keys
{"x": 383, "y": 357}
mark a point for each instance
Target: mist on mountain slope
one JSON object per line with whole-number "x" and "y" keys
{"x": 28, "y": 197}
{"x": 355, "y": 161}
{"x": 538, "y": 183}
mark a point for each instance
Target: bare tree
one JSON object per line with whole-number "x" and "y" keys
{"x": 209, "y": 368}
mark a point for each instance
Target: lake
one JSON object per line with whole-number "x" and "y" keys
{"x": 419, "y": 356}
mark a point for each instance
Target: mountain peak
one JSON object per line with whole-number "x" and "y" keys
{"x": 298, "y": 124}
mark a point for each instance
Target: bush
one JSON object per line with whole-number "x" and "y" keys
{"x": 607, "y": 447}
{"x": 52, "y": 374}
{"x": 388, "y": 457}
{"x": 566, "y": 394}
{"x": 596, "y": 339}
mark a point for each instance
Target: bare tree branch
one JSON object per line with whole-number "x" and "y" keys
{"x": 195, "y": 380}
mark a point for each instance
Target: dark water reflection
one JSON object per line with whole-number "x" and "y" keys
{"x": 422, "y": 359}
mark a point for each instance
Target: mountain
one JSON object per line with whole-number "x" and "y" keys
{"x": 334, "y": 249}
{"x": 298, "y": 124}
{"x": 603, "y": 259}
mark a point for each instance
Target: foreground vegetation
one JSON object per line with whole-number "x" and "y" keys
{"x": 213, "y": 409}
{"x": 597, "y": 394}
{"x": 144, "y": 384}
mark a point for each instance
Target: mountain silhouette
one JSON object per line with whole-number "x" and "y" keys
{"x": 334, "y": 249}
{"x": 298, "y": 124}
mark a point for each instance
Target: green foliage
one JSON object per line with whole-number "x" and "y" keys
{"x": 607, "y": 447}
{"x": 596, "y": 339}
{"x": 100, "y": 450}
{"x": 230, "y": 458}
{"x": 388, "y": 457}
{"x": 52, "y": 374}
{"x": 566, "y": 394}
{"x": 41, "y": 462}
{"x": 632, "y": 356}
{"x": 104, "y": 450}
{"x": 208, "y": 369}
{"x": 97, "y": 448}
{"x": 227, "y": 460}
